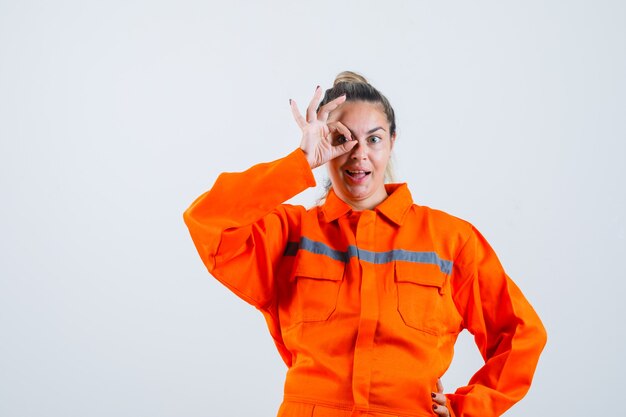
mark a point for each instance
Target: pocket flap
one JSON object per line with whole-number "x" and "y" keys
{"x": 420, "y": 273}
{"x": 317, "y": 266}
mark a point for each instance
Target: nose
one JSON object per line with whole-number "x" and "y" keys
{"x": 359, "y": 152}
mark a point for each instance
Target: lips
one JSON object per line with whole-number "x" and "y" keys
{"x": 357, "y": 174}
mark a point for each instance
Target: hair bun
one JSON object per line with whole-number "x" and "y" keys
{"x": 350, "y": 77}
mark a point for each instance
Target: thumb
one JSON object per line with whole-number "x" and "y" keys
{"x": 344, "y": 148}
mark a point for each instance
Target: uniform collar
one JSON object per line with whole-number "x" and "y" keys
{"x": 395, "y": 206}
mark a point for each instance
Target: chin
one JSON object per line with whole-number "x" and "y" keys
{"x": 357, "y": 195}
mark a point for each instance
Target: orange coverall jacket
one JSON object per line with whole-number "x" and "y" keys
{"x": 365, "y": 307}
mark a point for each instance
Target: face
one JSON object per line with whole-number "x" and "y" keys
{"x": 358, "y": 177}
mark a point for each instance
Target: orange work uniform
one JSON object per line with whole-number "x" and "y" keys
{"x": 365, "y": 307}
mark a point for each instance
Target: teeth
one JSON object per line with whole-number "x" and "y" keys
{"x": 358, "y": 175}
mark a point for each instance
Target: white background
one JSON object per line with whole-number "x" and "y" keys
{"x": 115, "y": 115}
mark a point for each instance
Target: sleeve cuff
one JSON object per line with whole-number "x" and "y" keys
{"x": 299, "y": 158}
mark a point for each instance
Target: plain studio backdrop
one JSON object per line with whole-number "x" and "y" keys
{"x": 115, "y": 115}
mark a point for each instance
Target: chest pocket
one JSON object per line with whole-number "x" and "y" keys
{"x": 315, "y": 284}
{"x": 424, "y": 300}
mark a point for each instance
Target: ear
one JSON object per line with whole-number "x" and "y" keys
{"x": 393, "y": 139}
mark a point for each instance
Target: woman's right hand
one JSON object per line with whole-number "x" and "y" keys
{"x": 317, "y": 134}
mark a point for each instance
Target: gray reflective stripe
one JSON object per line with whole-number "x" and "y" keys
{"x": 320, "y": 248}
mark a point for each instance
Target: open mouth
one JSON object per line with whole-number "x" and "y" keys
{"x": 357, "y": 175}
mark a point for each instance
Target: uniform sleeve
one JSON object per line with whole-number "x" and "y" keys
{"x": 240, "y": 228}
{"x": 507, "y": 331}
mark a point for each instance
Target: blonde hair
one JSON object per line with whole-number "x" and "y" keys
{"x": 349, "y": 77}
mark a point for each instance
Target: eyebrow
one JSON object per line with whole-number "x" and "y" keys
{"x": 369, "y": 132}
{"x": 375, "y": 129}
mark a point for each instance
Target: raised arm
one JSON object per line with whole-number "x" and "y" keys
{"x": 240, "y": 227}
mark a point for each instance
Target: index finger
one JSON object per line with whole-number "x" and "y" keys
{"x": 341, "y": 128}
{"x": 324, "y": 111}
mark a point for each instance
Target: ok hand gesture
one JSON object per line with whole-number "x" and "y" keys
{"x": 317, "y": 133}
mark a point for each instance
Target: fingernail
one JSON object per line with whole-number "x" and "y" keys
{"x": 290, "y": 101}
{"x": 432, "y": 394}
{"x": 434, "y": 406}
{"x": 318, "y": 87}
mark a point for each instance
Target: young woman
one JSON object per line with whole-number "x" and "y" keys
{"x": 365, "y": 294}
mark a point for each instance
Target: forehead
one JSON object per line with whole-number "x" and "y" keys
{"x": 363, "y": 114}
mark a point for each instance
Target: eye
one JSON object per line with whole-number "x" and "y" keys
{"x": 341, "y": 139}
{"x": 374, "y": 139}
